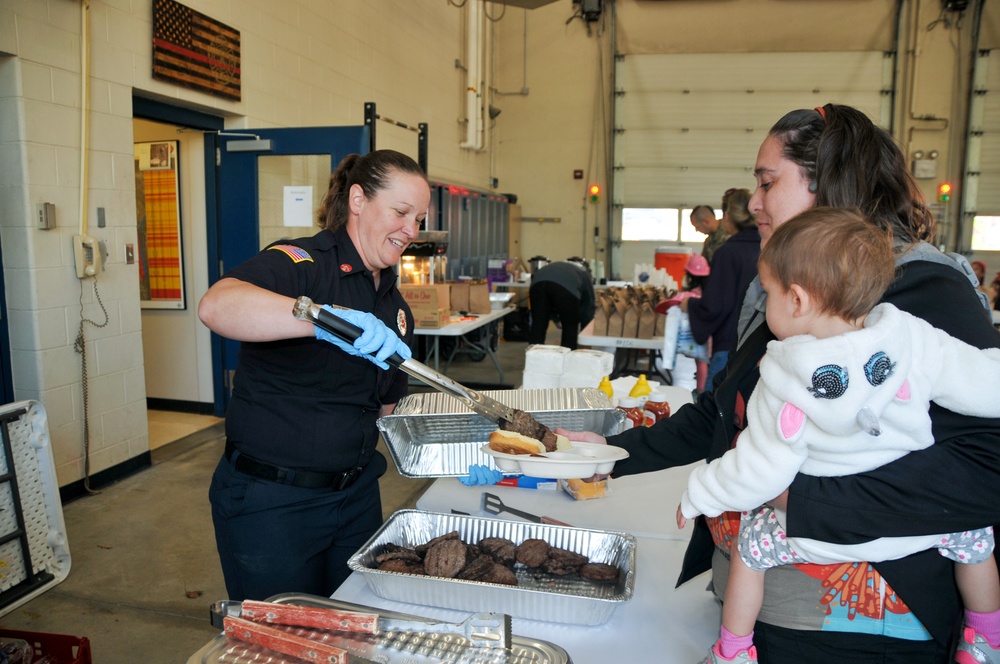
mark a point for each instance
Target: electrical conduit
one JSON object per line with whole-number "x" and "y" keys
{"x": 473, "y": 98}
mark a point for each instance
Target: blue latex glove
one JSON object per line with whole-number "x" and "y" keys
{"x": 480, "y": 476}
{"x": 376, "y": 343}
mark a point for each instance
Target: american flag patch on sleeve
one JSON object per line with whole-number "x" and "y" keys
{"x": 297, "y": 254}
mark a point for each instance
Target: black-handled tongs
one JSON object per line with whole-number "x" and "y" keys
{"x": 488, "y": 407}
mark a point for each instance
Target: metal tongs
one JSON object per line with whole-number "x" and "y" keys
{"x": 267, "y": 624}
{"x": 486, "y": 406}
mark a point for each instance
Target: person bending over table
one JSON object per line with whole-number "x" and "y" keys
{"x": 563, "y": 290}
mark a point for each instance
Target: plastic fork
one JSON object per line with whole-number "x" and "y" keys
{"x": 493, "y": 505}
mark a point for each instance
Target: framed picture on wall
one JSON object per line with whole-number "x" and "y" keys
{"x": 157, "y": 213}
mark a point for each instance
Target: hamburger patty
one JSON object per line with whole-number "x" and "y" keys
{"x": 493, "y": 560}
{"x": 446, "y": 558}
{"x": 599, "y": 572}
{"x": 501, "y": 549}
{"x": 533, "y": 552}
{"x": 526, "y": 425}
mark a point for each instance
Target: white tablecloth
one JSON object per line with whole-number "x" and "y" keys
{"x": 643, "y": 505}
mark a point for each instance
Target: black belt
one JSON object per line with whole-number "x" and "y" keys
{"x": 307, "y": 479}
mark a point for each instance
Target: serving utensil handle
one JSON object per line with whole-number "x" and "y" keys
{"x": 554, "y": 522}
{"x": 305, "y": 309}
{"x": 488, "y": 407}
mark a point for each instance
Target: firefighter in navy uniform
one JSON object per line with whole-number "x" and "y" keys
{"x": 296, "y": 493}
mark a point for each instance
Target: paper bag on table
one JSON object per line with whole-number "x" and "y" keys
{"x": 479, "y": 299}
{"x": 616, "y": 318}
{"x": 630, "y": 320}
{"x": 602, "y": 312}
{"x": 647, "y": 321}
{"x": 458, "y": 292}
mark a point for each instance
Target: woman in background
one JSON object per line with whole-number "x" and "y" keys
{"x": 714, "y": 315}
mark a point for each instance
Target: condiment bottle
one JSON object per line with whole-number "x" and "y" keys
{"x": 655, "y": 409}
{"x": 641, "y": 387}
{"x": 633, "y": 414}
{"x": 605, "y": 387}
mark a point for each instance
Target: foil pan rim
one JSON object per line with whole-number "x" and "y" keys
{"x": 521, "y": 602}
{"x": 560, "y": 398}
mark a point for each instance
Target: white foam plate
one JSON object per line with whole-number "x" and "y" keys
{"x": 581, "y": 460}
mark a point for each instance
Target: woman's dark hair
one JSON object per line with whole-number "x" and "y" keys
{"x": 371, "y": 171}
{"x": 854, "y": 163}
{"x": 736, "y": 202}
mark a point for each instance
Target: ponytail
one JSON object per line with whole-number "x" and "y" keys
{"x": 855, "y": 163}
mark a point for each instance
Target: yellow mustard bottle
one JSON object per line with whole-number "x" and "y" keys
{"x": 605, "y": 387}
{"x": 641, "y": 387}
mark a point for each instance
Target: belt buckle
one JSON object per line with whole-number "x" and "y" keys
{"x": 349, "y": 478}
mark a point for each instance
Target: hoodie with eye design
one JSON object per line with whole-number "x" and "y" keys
{"x": 844, "y": 405}
{"x": 953, "y": 485}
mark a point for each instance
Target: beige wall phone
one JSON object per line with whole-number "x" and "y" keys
{"x": 87, "y": 254}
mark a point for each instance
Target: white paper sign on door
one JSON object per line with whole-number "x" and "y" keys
{"x": 298, "y": 206}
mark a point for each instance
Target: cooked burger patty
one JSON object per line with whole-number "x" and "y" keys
{"x": 599, "y": 572}
{"x": 526, "y": 425}
{"x": 563, "y": 561}
{"x": 533, "y": 552}
{"x": 500, "y": 574}
{"x": 446, "y": 559}
{"x": 501, "y": 549}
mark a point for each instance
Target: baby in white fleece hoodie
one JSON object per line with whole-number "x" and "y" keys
{"x": 845, "y": 389}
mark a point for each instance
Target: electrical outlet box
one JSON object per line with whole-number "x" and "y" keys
{"x": 45, "y": 216}
{"x": 925, "y": 169}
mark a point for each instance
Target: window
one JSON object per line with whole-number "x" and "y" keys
{"x": 985, "y": 233}
{"x": 660, "y": 225}
{"x": 640, "y": 224}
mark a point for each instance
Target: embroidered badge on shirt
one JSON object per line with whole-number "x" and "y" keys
{"x": 346, "y": 267}
{"x": 401, "y": 322}
{"x": 297, "y": 254}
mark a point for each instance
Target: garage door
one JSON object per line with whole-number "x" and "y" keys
{"x": 687, "y": 126}
{"x": 981, "y": 188}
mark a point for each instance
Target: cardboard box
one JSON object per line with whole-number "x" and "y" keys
{"x": 431, "y": 319}
{"x": 426, "y": 299}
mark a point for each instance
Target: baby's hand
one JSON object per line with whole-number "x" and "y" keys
{"x": 681, "y": 521}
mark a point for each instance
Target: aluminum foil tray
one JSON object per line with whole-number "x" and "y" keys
{"x": 538, "y": 595}
{"x": 436, "y": 435}
{"x": 390, "y": 649}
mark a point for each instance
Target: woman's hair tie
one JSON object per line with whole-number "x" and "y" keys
{"x": 822, "y": 113}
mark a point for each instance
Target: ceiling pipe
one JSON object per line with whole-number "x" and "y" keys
{"x": 84, "y": 111}
{"x": 474, "y": 67}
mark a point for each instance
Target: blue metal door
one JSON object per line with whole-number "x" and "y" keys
{"x": 254, "y": 169}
